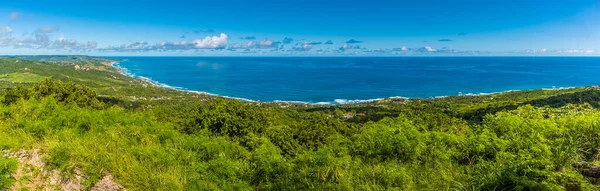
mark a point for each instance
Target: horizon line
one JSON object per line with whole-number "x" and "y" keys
{"x": 518, "y": 55}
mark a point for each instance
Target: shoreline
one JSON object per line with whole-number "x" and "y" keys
{"x": 125, "y": 72}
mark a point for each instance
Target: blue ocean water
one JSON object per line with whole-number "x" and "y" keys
{"x": 351, "y": 79}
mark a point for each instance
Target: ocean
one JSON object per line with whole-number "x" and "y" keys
{"x": 338, "y": 80}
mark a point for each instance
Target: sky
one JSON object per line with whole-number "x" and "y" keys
{"x": 300, "y": 27}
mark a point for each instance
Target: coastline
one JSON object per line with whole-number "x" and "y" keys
{"x": 125, "y": 72}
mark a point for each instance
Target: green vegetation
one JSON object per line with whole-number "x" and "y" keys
{"x": 21, "y": 77}
{"x": 7, "y": 167}
{"x": 525, "y": 140}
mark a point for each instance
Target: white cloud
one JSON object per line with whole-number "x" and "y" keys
{"x": 543, "y": 50}
{"x": 183, "y": 45}
{"x": 6, "y": 41}
{"x": 348, "y": 46}
{"x": 571, "y": 51}
{"x": 71, "y": 44}
{"x": 238, "y": 46}
{"x": 403, "y": 49}
{"x": 136, "y": 46}
{"x": 253, "y": 44}
{"x": 213, "y": 42}
{"x": 15, "y": 15}
{"x": 563, "y": 51}
{"x": 249, "y": 45}
{"x": 42, "y": 41}
{"x": 306, "y": 46}
{"x": 35, "y": 41}
{"x": 427, "y": 49}
{"x": 92, "y": 45}
{"x": 266, "y": 43}
{"x": 5, "y": 30}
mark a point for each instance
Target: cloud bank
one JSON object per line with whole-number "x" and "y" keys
{"x": 43, "y": 41}
{"x": 40, "y": 39}
{"x": 209, "y": 42}
{"x": 72, "y": 44}
{"x": 306, "y": 46}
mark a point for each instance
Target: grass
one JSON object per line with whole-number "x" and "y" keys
{"x": 18, "y": 77}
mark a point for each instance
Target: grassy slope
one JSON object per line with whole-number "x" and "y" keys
{"x": 430, "y": 144}
{"x": 21, "y": 77}
{"x": 95, "y": 73}
{"x": 100, "y": 76}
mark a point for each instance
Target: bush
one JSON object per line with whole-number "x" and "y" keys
{"x": 7, "y": 167}
{"x": 63, "y": 92}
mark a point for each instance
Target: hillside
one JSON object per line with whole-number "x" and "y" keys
{"x": 76, "y": 123}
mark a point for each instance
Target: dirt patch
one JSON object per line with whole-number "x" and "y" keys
{"x": 73, "y": 183}
{"x": 107, "y": 184}
{"x": 32, "y": 174}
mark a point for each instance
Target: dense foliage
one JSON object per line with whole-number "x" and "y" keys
{"x": 530, "y": 140}
{"x": 7, "y": 166}
{"x": 227, "y": 144}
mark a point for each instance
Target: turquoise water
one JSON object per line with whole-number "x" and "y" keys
{"x": 356, "y": 79}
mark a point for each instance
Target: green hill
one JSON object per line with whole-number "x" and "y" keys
{"x": 83, "y": 125}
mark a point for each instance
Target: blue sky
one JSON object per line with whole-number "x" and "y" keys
{"x": 309, "y": 27}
